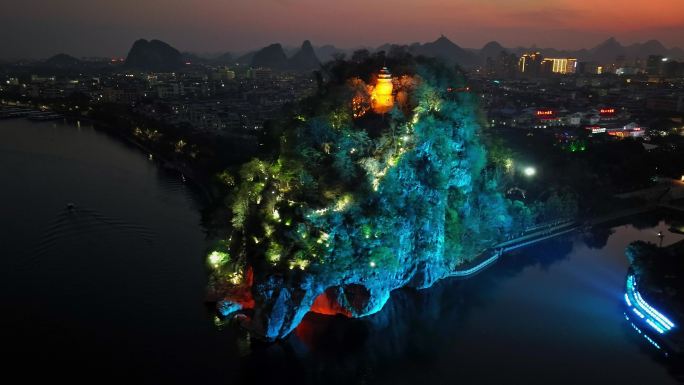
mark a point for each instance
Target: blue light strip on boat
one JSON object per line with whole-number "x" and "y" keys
{"x": 651, "y": 341}
{"x": 661, "y": 318}
{"x": 654, "y": 326}
{"x": 637, "y": 312}
{"x": 639, "y": 306}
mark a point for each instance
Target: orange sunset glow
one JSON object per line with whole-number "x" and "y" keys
{"x": 215, "y": 25}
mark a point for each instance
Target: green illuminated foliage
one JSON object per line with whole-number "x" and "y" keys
{"x": 226, "y": 178}
{"x": 345, "y": 195}
{"x": 218, "y": 258}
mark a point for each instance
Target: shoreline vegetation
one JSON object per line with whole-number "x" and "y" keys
{"x": 162, "y": 161}
{"x": 171, "y": 148}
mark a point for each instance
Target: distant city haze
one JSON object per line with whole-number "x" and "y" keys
{"x": 41, "y": 28}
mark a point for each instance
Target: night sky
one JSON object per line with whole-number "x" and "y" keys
{"x": 40, "y": 28}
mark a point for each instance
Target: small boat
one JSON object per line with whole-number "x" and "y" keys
{"x": 70, "y": 206}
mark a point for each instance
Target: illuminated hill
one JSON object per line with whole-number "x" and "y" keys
{"x": 359, "y": 195}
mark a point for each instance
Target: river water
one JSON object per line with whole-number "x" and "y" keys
{"x": 113, "y": 291}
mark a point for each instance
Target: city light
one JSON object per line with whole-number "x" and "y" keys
{"x": 561, "y": 65}
{"x": 544, "y": 112}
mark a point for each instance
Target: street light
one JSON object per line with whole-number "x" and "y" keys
{"x": 529, "y": 171}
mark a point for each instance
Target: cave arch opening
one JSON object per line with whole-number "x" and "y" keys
{"x": 346, "y": 300}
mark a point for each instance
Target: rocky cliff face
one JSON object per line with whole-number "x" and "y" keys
{"x": 354, "y": 205}
{"x": 280, "y": 307}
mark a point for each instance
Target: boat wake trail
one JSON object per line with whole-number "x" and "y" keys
{"x": 81, "y": 227}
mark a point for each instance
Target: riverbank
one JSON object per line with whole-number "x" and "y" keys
{"x": 187, "y": 173}
{"x": 199, "y": 180}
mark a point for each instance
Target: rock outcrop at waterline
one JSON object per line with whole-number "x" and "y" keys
{"x": 281, "y": 306}
{"x": 349, "y": 205}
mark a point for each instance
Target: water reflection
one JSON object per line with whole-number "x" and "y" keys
{"x": 547, "y": 314}
{"x": 114, "y": 288}
{"x": 410, "y": 325}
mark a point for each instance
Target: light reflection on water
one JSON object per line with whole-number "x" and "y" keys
{"x": 548, "y": 314}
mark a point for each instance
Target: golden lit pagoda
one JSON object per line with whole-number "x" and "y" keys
{"x": 382, "y": 100}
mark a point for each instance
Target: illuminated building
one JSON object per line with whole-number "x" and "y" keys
{"x": 626, "y": 71}
{"x": 562, "y": 66}
{"x": 546, "y": 117}
{"x": 545, "y": 114}
{"x": 530, "y": 63}
{"x": 382, "y": 100}
{"x": 631, "y": 130}
{"x": 504, "y": 65}
{"x": 223, "y": 73}
{"x": 607, "y": 111}
{"x": 595, "y": 129}
{"x": 259, "y": 73}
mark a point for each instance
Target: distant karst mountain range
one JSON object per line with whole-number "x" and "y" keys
{"x": 155, "y": 55}
{"x": 607, "y": 52}
{"x": 610, "y": 50}
{"x": 274, "y": 56}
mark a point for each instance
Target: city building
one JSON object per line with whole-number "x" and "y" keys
{"x": 562, "y": 66}
{"x": 530, "y": 63}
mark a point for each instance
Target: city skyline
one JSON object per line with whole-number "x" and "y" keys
{"x": 80, "y": 28}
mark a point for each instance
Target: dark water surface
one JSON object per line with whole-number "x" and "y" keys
{"x": 114, "y": 291}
